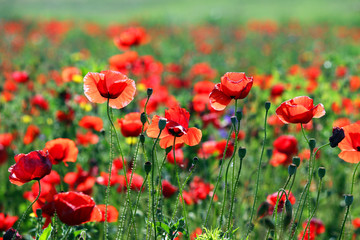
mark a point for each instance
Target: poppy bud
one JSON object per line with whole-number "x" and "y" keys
{"x": 233, "y": 120}
{"x": 269, "y": 152}
{"x": 162, "y": 123}
{"x": 242, "y": 152}
{"x": 312, "y": 144}
{"x": 268, "y": 223}
{"x": 142, "y": 138}
{"x": 287, "y": 220}
{"x": 149, "y": 92}
{"x": 143, "y": 118}
{"x": 195, "y": 160}
{"x": 267, "y": 105}
{"x": 239, "y": 115}
{"x": 263, "y": 209}
{"x": 321, "y": 172}
{"x": 292, "y": 169}
{"x": 288, "y": 206}
{"x": 296, "y": 161}
{"x": 168, "y": 149}
{"x": 39, "y": 212}
{"x": 349, "y": 199}
{"x": 147, "y": 167}
{"x": 338, "y": 135}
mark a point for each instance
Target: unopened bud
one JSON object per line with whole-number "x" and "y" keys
{"x": 242, "y": 152}
{"x": 239, "y": 115}
{"x": 147, "y": 167}
{"x": 263, "y": 209}
{"x": 349, "y": 199}
{"x": 233, "y": 120}
{"x": 168, "y": 149}
{"x": 39, "y": 212}
{"x": 321, "y": 172}
{"x": 162, "y": 123}
{"x": 292, "y": 169}
{"x": 296, "y": 161}
{"x": 195, "y": 160}
{"x": 143, "y": 118}
{"x": 142, "y": 138}
{"x": 288, "y": 206}
{"x": 149, "y": 92}
{"x": 312, "y": 144}
{"x": 267, "y": 105}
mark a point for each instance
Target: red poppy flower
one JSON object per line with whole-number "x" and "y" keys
{"x": 75, "y": 208}
{"x": 179, "y": 155}
{"x": 20, "y": 76}
{"x": 315, "y": 228}
{"x": 112, "y": 85}
{"x": 285, "y": 147}
{"x": 112, "y": 213}
{"x": 272, "y": 199}
{"x": 123, "y": 62}
{"x": 39, "y": 101}
{"x": 32, "y": 166}
{"x": 133, "y": 36}
{"x": 65, "y": 117}
{"x": 131, "y": 125}
{"x": 31, "y": 133}
{"x": 80, "y": 181}
{"x": 136, "y": 182}
{"x": 91, "y": 122}
{"x": 216, "y": 148}
{"x": 168, "y": 189}
{"x": 350, "y": 145}
{"x": 177, "y": 122}
{"x": 234, "y": 85}
{"x": 86, "y": 138}
{"x": 299, "y": 110}
{"x": 62, "y": 150}
{"x": 7, "y": 221}
{"x": 68, "y": 73}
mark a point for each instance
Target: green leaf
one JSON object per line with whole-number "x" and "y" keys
{"x": 46, "y": 233}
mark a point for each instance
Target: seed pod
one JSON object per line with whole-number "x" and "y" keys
{"x": 321, "y": 172}
{"x": 296, "y": 161}
{"x": 142, "y": 138}
{"x": 242, "y": 152}
{"x": 239, "y": 115}
{"x": 292, "y": 169}
{"x": 312, "y": 144}
{"x": 149, "y": 92}
{"x": 349, "y": 199}
{"x": 143, "y": 118}
{"x": 147, "y": 167}
{"x": 233, "y": 120}
{"x": 162, "y": 123}
{"x": 267, "y": 105}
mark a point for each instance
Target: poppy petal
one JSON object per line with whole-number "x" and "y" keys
{"x": 218, "y": 100}
{"x": 350, "y": 156}
{"x": 153, "y": 129}
{"x": 192, "y": 137}
{"x": 319, "y": 111}
{"x": 169, "y": 141}
{"x": 90, "y": 89}
{"x": 125, "y": 97}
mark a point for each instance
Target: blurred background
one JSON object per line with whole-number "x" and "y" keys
{"x": 185, "y": 11}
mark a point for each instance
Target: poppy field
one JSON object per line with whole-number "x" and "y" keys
{"x": 203, "y": 131}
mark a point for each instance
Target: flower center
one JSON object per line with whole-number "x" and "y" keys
{"x": 175, "y": 129}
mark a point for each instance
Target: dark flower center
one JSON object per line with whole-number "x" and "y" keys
{"x": 175, "y": 129}
{"x": 358, "y": 148}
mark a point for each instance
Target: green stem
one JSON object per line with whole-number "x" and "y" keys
{"x": 344, "y": 221}
{"x": 313, "y": 213}
{"x": 353, "y": 178}
{"x": 219, "y": 177}
{"x": 152, "y": 182}
{"x": 137, "y": 203}
{"x": 258, "y": 177}
{"x": 28, "y": 208}
{"x": 234, "y": 192}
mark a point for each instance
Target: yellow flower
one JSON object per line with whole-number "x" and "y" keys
{"x": 26, "y": 119}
